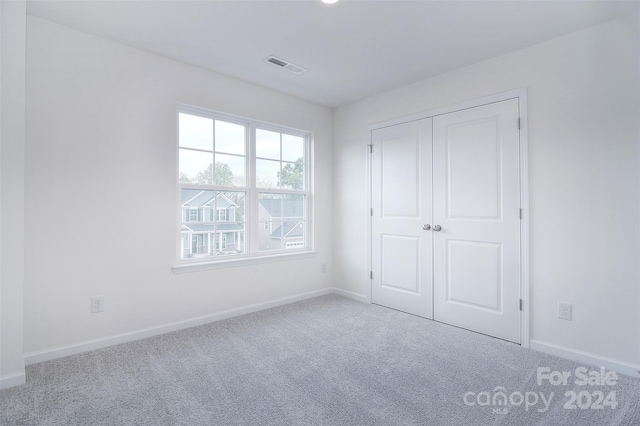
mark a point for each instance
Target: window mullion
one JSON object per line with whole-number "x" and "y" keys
{"x": 252, "y": 195}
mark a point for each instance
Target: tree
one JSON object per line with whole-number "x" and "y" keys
{"x": 223, "y": 175}
{"x": 184, "y": 178}
{"x": 292, "y": 175}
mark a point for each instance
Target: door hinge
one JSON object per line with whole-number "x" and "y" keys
{"x": 521, "y": 305}
{"x": 371, "y": 274}
{"x": 371, "y": 148}
{"x": 519, "y": 124}
{"x": 371, "y": 211}
{"x": 520, "y": 214}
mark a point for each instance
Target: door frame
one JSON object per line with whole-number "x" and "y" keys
{"x": 521, "y": 95}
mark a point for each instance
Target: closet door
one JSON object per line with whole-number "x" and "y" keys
{"x": 476, "y": 237}
{"x": 401, "y": 240}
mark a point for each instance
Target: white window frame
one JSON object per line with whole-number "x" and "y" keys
{"x": 252, "y": 254}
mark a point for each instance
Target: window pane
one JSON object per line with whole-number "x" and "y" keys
{"x": 195, "y": 132}
{"x": 270, "y": 206}
{"x": 282, "y": 221}
{"x": 234, "y": 203}
{"x": 292, "y": 175}
{"x": 292, "y": 148}
{"x": 267, "y": 173}
{"x": 267, "y": 144}
{"x": 230, "y": 138}
{"x": 271, "y": 238}
{"x": 195, "y": 166}
{"x": 230, "y": 170}
{"x": 202, "y": 238}
{"x": 293, "y": 207}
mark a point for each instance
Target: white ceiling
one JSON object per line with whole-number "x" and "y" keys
{"x": 351, "y": 50}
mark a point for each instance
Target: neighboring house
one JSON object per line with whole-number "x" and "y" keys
{"x": 282, "y": 224}
{"x": 209, "y": 224}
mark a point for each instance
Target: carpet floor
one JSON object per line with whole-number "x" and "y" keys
{"x": 323, "y": 361}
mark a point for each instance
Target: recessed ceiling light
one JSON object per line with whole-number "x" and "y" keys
{"x": 329, "y": 1}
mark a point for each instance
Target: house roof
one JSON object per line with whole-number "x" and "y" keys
{"x": 290, "y": 229}
{"x": 200, "y": 198}
{"x": 279, "y": 208}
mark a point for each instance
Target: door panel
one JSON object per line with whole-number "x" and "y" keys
{"x": 400, "y": 176}
{"x": 405, "y": 251}
{"x": 478, "y": 284}
{"x": 473, "y": 187}
{"x": 401, "y": 204}
{"x": 476, "y": 198}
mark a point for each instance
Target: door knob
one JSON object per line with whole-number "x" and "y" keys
{"x": 426, "y": 227}
{"x": 437, "y": 228}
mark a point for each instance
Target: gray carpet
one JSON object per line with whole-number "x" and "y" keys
{"x": 324, "y": 361}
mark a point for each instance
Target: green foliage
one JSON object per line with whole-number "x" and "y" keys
{"x": 184, "y": 178}
{"x": 223, "y": 175}
{"x": 292, "y": 175}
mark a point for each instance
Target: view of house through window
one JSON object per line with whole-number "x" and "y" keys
{"x": 243, "y": 186}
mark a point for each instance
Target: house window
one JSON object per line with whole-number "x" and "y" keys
{"x": 244, "y": 183}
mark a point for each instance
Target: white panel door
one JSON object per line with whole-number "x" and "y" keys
{"x": 476, "y": 218}
{"x": 401, "y": 250}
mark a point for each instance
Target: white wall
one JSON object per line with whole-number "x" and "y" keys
{"x": 101, "y": 194}
{"x": 12, "y": 158}
{"x": 584, "y": 96}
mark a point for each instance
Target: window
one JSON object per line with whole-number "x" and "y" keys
{"x": 243, "y": 187}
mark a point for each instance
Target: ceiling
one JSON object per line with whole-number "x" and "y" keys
{"x": 351, "y": 50}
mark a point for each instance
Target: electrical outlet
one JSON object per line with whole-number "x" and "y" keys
{"x": 323, "y": 268}
{"x": 564, "y": 311}
{"x": 97, "y": 304}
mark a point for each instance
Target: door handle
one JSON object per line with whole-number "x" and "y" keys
{"x": 426, "y": 227}
{"x": 437, "y": 228}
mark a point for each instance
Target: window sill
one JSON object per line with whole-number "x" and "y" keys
{"x": 238, "y": 262}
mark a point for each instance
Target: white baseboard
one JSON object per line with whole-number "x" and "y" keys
{"x": 18, "y": 379}
{"x": 11, "y": 380}
{"x": 62, "y": 351}
{"x": 618, "y": 366}
{"x": 351, "y": 295}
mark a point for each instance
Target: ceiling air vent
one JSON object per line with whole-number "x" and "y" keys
{"x": 286, "y": 65}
